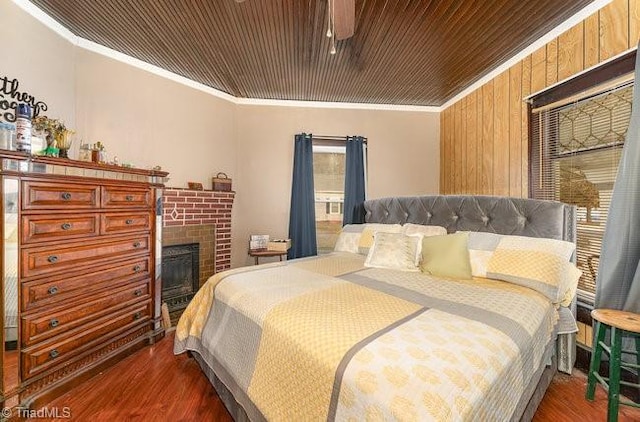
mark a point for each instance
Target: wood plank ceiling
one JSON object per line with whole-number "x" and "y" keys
{"x": 413, "y": 52}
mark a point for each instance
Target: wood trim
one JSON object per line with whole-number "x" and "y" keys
{"x": 79, "y": 164}
{"x": 570, "y": 53}
{"x": 599, "y": 75}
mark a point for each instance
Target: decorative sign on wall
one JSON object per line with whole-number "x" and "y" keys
{"x": 10, "y": 97}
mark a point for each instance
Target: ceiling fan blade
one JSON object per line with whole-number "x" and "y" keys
{"x": 344, "y": 16}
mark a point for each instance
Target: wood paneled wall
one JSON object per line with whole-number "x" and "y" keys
{"x": 484, "y": 143}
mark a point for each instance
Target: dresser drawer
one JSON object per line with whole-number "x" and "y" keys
{"x": 43, "y": 195}
{"x": 37, "y": 228}
{"x": 125, "y": 197}
{"x": 40, "y": 260}
{"x": 113, "y": 223}
{"x": 60, "y": 349}
{"x": 43, "y": 325}
{"x": 73, "y": 287}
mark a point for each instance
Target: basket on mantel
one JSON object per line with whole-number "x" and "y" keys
{"x": 221, "y": 182}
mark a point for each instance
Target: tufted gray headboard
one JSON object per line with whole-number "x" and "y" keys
{"x": 515, "y": 216}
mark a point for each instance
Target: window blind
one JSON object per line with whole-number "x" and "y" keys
{"x": 574, "y": 154}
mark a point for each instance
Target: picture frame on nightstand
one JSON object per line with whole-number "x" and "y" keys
{"x": 258, "y": 242}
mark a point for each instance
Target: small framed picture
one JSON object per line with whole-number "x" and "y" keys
{"x": 195, "y": 186}
{"x": 258, "y": 242}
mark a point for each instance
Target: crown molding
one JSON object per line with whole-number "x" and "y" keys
{"x": 336, "y": 105}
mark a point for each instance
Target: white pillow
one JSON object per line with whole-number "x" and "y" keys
{"x": 350, "y": 236}
{"x": 347, "y": 242}
{"x": 395, "y": 251}
{"x": 410, "y": 228}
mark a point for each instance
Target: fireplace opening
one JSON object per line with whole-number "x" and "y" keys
{"x": 180, "y": 276}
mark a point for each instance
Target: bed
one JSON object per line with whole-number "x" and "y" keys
{"x": 330, "y": 338}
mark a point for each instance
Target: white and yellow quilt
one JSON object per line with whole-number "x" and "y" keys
{"x": 327, "y": 339}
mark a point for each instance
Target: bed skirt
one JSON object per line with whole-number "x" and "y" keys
{"x": 566, "y": 352}
{"x": 237, "y": 412}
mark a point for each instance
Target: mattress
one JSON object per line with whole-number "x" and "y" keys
{"x": 327, "y": 338}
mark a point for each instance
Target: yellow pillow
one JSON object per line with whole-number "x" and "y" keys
{"x": 366, "y": 241}
{"x": 547, "y": 273}
{"x": 574, "y": 276}
{"x": 446, "y": 256}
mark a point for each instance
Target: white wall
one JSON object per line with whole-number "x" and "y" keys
{"x": 43, "y": 62}
{"x": 143, "y": 119}
{"x": 147, "y": 120}
{"x": 403, "y": 159}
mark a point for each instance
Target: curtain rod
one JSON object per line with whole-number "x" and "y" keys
{"x": 333, "y": 138}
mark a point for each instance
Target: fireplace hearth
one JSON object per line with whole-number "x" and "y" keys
{"x": 180, "y": 276}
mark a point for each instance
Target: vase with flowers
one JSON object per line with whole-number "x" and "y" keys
{"x": 57, "y": 136}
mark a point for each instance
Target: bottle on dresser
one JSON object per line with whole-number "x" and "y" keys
{"x": 23, "y": 128}
{"x": 84, "y": 153}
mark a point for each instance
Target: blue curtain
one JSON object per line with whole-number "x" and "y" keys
{"x": 302, "y": 218}
{"x": 618, "y": 281}
{"x": 354, "y": 194}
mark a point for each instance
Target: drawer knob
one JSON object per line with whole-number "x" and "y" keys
{"x": 52, "y": 290}
{"x": 137, "y": 315}
{"x": 54, "y": 353}
{"x": 137, "y": 268}
{"x": 128, "y": 198}
{"x": 54, "y": 323}
{"x": 65, "y": 195}
{"x": 128, "y": 222}
{"x": 53, "y": 259}
{"x": 137, "y": 292}
{"x": 65, "y": 226}
{"x": 136, "y": 244}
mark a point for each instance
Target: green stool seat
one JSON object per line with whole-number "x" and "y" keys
{"x": 622, "y": 324}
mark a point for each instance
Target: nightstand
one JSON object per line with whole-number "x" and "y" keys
{"x": 266, "y": 253}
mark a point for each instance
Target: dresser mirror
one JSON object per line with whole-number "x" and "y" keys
{"x": 11, "y": 231}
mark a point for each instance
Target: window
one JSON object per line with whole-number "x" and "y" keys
{"x": 328, "y": 180}
{"x": 335, "y": 208}
{"x": 576, "y": 145}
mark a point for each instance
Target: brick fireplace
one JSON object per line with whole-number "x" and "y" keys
{"x": 202, "y": 217}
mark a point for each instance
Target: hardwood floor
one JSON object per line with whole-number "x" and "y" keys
{"x": 155, "y": 385}
{"x": 564, "y": 401}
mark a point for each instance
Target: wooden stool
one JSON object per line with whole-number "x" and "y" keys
{"x": 622, "y": 324}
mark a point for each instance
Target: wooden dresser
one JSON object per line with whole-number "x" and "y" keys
{"x": 88, "y": 282}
